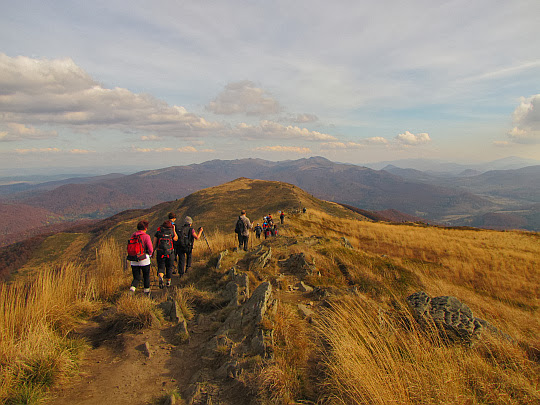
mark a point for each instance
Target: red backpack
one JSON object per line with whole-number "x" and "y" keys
{"x": 135, "y": 249}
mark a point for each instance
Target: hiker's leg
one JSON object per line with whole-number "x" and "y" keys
{"x": 169, "y": 264}
{"x": 188, "y": 259}
{"x": 136, "y": 270}
{"x": 246, "y": 240}
{"x": 146, "y": 277}
{"x": 161, "y": 265}
{"x": 181, "y": 262}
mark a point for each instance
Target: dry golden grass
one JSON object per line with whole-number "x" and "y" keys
{"x": 377, "y": 358}
{"x": 287, "y": 378}
{"x": 36, "y": 315}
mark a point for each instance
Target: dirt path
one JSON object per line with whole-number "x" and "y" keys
{"x": 121, "y": 372}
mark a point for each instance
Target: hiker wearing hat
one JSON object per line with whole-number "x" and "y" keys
{"x": 186, "y": 238}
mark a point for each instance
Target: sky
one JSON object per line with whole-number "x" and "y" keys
{"x": 161, "y": 83}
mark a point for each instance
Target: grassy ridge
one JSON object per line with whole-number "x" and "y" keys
{"x": 366, "y": 347}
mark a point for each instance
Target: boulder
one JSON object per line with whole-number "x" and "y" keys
{"x": 450, "y": 316}
{"x": 297, "y": 264}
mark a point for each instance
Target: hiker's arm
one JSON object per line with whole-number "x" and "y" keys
{"x": 197, "y": 236}
{"x": 149, "y": 246}
{"x": 175, "y": 236}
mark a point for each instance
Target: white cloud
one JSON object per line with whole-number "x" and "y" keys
{"x": 151, "y": 138}
{"x": 502, "y": 144}
{"x": 409, "y": 139}
{"x": 270, "y": 129}
{"x": 81, "y": 151}
{"x": 278, "y": 148}
{"x": 526, "y": 119}
{"x": 37, "y": 150}
{"x": 244, "y": 98}
{"x": 303, "y": 118}
{"x": 376, "y": 140}
{"x": 58, "y": 92}
{"x": 16, "y": 132}
{"x": 183, "y": 149}
{"x": 342, "y": 145}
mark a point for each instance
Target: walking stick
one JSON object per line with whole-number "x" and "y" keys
{"x": 203, "y": 234}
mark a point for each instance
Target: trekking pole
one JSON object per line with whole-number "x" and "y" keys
{"x": 207, "y": 244}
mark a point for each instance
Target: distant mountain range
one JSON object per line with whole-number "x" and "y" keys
{"x": 497, "y": 199}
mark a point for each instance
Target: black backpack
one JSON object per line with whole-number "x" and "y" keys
{"x": 240, "y": 226}
{"x": 185, "y": 238}
{"x": 165, "y": 241}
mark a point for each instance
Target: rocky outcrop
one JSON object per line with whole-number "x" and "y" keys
{"x": 297, "y": 264}
{"x": 450, "y": 316}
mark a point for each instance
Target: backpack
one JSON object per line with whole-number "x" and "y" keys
{"x": 240, "y": 226}
{"x": 185, "y": 238}
{"x": 135, "y": 249}
{"x": 165, "y": 242}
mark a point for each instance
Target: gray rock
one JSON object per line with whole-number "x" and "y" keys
{"x": 450, "y": 316}
{"x": 146, "y": 350}
{"x": 306, "y": 312}
{"x": 304, "y": 287}
{"x": 261, "y": 260}
{"x": 220, "y": 258}
{"x": 297, "y": 264}
{"x": 345, "y": 242}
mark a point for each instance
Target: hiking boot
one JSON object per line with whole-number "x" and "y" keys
{"x": 161, "y": 282}
{"x": 168, "y": 283}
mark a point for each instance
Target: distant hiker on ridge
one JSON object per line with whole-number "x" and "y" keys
{"x": 243, "y": 225}
{"x": 186, "y": 238}
{"x": 139, "y": 251}
{"x": 282, "y": 217}
{"x": 164, "y": 243}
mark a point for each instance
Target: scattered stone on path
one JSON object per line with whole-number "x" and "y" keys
{"x": 307, "y": 313}
{"x": 146, "y": 350}
{"x": 298, "y": 264}
{"x": 304, "y": 287}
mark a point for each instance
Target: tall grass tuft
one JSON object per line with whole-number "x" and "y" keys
{"x": 37, "y": 315}
{"x": 374, "y": 359}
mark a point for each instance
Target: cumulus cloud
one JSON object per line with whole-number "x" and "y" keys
{"x": 342, "y": 145}
{"x": 37, "y": 150}
{"x": 270, "y": 129}
{"x": 376, "y": 140}
{"x": 526, "y": 119}
{"x": 165, "y": 149}
{"x": 278, "y": 148}
{"x": 502, "y": 144}
{"x": 244, "y": 97}
{"x": 81, "y": 151}
{"x": 409, "y": 139}
{"x": 58, "y": 92}
{"x": 16, "y": 132}
{"x": 151, "y": 138}
{"x": 302, "y": 118}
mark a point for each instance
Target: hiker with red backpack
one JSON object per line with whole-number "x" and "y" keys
{"x": 140, "y": 250}
{"x": 184, "y": 245}
{"x": 164, "y": 242}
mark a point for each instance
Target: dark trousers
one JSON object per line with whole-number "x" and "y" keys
{"x": 137, "y": 270}
{"x": 184, "y": 260}
{"x": 165, "y": 264}
{"x": 243, "y": 242}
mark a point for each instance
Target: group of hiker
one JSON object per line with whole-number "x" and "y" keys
{"x": 172, "y": 242}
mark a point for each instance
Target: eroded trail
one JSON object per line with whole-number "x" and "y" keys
{"x": 148, "y": 366}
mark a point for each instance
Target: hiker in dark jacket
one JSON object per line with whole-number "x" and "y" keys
{"x": 282, "y": 217}
{"x": 172, "y": 218}
{"x": 186, "y": 238}
{"x": 142, "y": 266}
{"x": 164, "y": 242}
{"x": 258, "y": 230}
{"x": 243, "y": 225}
